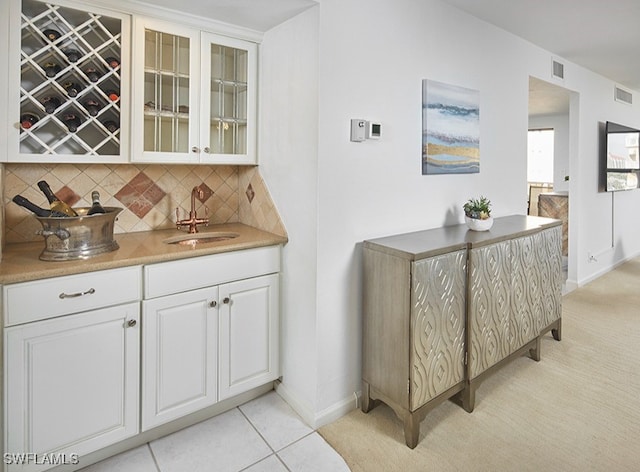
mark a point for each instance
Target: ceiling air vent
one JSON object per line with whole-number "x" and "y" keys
{"x": 557, "y": 69}
{"x": 623, "y": 96}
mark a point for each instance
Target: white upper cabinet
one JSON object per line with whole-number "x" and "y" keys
{"x": 194, "y": 96}
{"x": 68, "y": 83}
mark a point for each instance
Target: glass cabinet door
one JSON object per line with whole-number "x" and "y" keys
{"x": 166, "y": 84}
{"x": 228, "y": 126}
{"x": 194, "y": 96}
{"x": 166, "y": 92}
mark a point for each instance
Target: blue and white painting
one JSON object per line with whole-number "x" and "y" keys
{"x": 450, "y": 129}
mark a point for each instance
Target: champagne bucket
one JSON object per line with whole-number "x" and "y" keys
{"x": 78, "y": 237}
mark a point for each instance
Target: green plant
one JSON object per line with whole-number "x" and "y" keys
{"x": 478, "y": 208}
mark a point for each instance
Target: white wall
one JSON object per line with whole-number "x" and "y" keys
{"x": 372, "y": 56}
{"x": 288, "y": 153}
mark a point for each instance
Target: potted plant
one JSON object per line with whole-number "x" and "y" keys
{"x": 477, "y": 214}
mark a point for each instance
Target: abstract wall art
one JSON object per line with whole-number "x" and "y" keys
{"x": 450, "y": 129}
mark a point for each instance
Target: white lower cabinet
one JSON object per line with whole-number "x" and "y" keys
{"x": 95, "y": 358}
{"x": 71, "y": 386}
{"x": 179, "y": 355}
{"x": 212, "y": 342}
{"x": 248, "y": 334}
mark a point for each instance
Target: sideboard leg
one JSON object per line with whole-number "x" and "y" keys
{"x": 411, "y": 429}
{"x": 534, "y": 352}
{"x": 557, "y": 332}
{"x": 469, "y": 397}
{"x": 367, "y": 403}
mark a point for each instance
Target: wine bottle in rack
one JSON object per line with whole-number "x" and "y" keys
{"x": 72, "y": 54}
{"x": 113, "y": 95}
{"x": 51, "y": 69}
{"x": 96, "y": 207}
{"x": 51, "y": 34}
{"x": 92, "y": 106}
{"x": 38, "y": 211}
{"x": 113, "y": 62}
{"x": 28, "y": 119}
{"x": 111, "y": 126}
{"x": 54, "y": 202}
{"x": 92, "y": 74}
{"x": 51, "y": 103}
{"x": 72, "y": 88}
{"x": 72, "y": 121}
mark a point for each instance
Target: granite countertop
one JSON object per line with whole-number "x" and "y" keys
{"x": 21, "y": 263}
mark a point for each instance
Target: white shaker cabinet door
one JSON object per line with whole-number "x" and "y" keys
{"x": 249, "y": 333}
{"x": 72, "y": 383}
{"x": 179, "y": 358}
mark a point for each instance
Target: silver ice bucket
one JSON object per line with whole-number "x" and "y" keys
{"x": 78, "y": 237}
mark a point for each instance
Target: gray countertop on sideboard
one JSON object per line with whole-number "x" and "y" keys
{"x": 432, "y": 242}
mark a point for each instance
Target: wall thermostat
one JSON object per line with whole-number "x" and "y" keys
{"x": 363, "y": 129}
{"x": 373, "y": 130}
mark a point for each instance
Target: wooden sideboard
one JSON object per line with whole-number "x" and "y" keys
{"x": 556, "y": 205}
{"x": 443, "y": 308}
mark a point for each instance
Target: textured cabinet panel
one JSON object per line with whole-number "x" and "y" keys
{"x": 549, "y": 255}
{"x": 526, "y": 306}
{"x": 489, "y": 306}
{"x": 438, "y": 317}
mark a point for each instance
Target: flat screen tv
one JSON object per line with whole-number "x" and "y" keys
{"x": 621, "y": 157}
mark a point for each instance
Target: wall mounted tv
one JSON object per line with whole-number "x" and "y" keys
{"x": 621, "y": 160}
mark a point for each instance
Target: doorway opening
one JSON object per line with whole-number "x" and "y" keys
{"x": 540, "y": 154}
{"x": 548, "y": 156}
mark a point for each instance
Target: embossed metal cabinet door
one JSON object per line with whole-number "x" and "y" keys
{"x": 489, "y": 306}
{"x": 526, "y": 298}
{"x": 550, "y": 256}
{"x": 438, "y": 290}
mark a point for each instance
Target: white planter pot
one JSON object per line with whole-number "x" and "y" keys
{"x": 479, "y": 225}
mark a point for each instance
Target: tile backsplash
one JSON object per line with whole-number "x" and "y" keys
{"x": 148, "y": 194}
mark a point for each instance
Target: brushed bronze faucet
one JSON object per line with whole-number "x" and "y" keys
{"x": 193, "y": 221}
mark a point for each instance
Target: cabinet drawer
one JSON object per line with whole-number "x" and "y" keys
{"x": 167, "y": 278}
{"x": 48, "y": 298}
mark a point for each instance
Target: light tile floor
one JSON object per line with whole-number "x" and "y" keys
{"x": 263, "y": 435}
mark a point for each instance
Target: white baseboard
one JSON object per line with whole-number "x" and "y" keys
{"x": 302, "y": 409}
{"x": 336, "y": 411}
{"x": 313, "y": 419}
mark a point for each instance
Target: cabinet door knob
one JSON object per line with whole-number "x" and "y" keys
{"x": 131, "y": 323}
{"x": 213, "y": 304}
{"x": 195, "y": 149}
{"x": 226, "y": 300}
{"x": 206, "y": 150}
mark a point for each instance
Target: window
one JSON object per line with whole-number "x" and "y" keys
{"x": 540, "y": 156}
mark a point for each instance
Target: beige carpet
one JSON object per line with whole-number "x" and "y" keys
{"x": 578, "y": 409}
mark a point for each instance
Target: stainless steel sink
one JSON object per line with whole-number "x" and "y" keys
{"x": 201, "y": 238}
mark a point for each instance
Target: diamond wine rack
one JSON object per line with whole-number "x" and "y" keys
{"x": 70, "y": 79}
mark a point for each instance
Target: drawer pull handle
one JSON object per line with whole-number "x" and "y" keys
{"x": 131, "y": 323}
{"x": 79, "y": 294}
